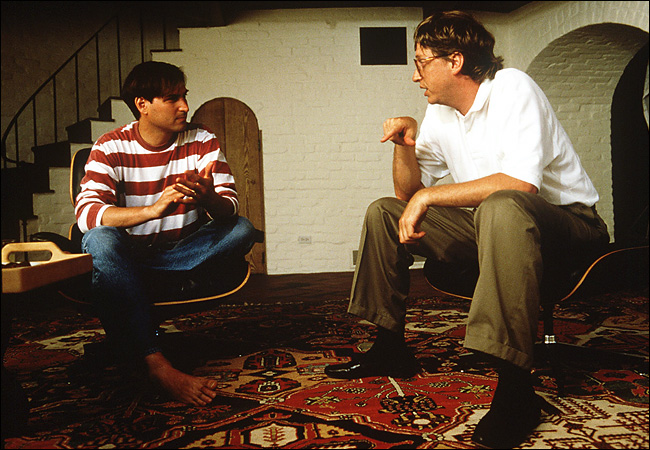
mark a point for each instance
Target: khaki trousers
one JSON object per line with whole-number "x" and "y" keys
{"x": 512, "y": 235}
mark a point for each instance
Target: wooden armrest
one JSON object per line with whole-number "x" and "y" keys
{"x": 60, "y": 266}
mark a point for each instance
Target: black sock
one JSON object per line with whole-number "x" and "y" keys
{"x": 514, "y": 389}
{"x": 387, "y": 343}
{"x": 390, "y": 339}
{"x": 514, "y": 412}
{"x": 513, "y": 380}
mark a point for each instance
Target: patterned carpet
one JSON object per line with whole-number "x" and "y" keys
{"x": 269, "y": 361}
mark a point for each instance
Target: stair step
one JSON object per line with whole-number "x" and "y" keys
{"x": 52, "y": 155}
{"x": 75, "y": 147}
{"x": 17, "y": 181}
{"x": 114, "y": 109}
{"x": 105, "y": 110}
{"x": 89, "y": 130}
{"x": 55, "y": 209}
{"x": 18, "y": 185}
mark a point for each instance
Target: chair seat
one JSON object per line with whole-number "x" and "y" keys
{"x": 218, "y": 280}
{"x": 608, "y": 269}
{"x": 613, "y": 268}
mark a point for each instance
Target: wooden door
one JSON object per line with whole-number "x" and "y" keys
{"x": 236, "y": 128}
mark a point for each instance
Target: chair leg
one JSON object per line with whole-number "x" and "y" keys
{"x": 549, "y": 348}
{"x": 556, "y": 352}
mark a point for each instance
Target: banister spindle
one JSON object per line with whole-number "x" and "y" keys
{"x": 141, "y": 38}
{"x": 76, "y": 83}
{"x": 56, "y": 125}
{"x": 99, "y": 93}
{"x": 16, "y": 137}
{"x": 119, "y": 55}
{"x": 34, "y": 121}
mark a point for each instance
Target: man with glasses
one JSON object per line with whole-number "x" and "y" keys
{"x": 519, "y": 194}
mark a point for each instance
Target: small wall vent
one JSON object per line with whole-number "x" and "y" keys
{"x": 383, "y": 46}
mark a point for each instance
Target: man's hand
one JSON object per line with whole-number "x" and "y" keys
{"x": 197, "y": 188}
{"x": 412, "y": 217}
{"x": 191, "y": 188}
{"x": 406, "y": 171}
{"x": 166, "y": 204}
{"x": 400, "y": 131}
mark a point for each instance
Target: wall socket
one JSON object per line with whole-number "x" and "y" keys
{"x": 304, "y": 239}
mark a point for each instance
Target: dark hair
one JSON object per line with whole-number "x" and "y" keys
{"x": 456, "y": 31}
{"x": 151, "y": 79}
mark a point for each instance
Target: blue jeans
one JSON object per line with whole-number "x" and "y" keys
{"x": 124, "y": 273}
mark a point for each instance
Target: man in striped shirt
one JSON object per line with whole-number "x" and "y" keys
{"x": 157, "y": 203}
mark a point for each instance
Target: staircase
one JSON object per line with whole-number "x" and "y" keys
{"x": 54, "y": 206}
{"x": 35, "y": 175}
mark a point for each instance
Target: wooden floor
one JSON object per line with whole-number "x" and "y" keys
{"x": 310, "y": 287}
{"x": 258, "y": 289}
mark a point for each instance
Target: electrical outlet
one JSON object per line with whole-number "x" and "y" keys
{"x": 304, "y": 239}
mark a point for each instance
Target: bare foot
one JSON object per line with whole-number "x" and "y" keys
{"x": 181, "y": 386}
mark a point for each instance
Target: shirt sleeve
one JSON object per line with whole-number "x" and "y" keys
{"x": 428, "y": 153}
{"x": 524, "y": 146}
{"x": 98, "y": 188}
{"x": 223, "y": 179}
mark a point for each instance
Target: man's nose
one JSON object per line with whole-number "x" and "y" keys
{"x": 416, "y": 76}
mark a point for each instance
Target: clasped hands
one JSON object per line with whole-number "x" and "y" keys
{"x": 192, "y": 188}
{"x": 195, "y": 187}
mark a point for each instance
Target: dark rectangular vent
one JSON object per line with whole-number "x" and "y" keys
{"x": 383, "y": 46}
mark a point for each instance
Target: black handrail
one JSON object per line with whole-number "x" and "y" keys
{"x": 13, "y": 124}
{"x": 32, "y": 99}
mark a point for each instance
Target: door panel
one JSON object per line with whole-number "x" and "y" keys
{"x": 236, "y": 128}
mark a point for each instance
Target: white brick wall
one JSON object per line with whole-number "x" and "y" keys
{"x": 54, "y": 209}
{"x": 577, "y": 52}
{"x": 321, "y": 112}
{"x": 523, "y": 34}
{"x": 579, "y": 73}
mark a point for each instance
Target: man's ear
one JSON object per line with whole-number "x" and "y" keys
{"x": 457, "y": 61}
{"x": 142, "y": 104}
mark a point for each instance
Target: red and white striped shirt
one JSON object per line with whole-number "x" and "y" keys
{"x": 123, "y": 170}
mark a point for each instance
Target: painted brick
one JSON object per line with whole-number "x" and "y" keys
{"x": 321, "y": 113}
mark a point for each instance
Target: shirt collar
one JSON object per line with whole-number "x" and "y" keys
{"x": 482, "y": 95}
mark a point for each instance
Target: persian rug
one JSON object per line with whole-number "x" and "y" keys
{"x": 269, "y": 361}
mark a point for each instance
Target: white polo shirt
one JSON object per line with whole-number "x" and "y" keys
{"x": 511, "y": 128}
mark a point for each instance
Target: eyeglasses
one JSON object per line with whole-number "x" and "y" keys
{"x": 420, "y": 63}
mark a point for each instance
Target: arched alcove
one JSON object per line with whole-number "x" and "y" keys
{"x": 579, "y": 73}
{"x": 630, "y": 153}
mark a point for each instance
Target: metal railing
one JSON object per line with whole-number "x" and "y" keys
{"x": 109, "y": 51}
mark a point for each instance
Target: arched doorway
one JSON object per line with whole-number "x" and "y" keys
{"x": 579, "y": 73}
{"x": 630, "y": 153}
{"x": 235, "y": 125}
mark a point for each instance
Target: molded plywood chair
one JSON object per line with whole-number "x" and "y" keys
{"x": 613, "y": 268}
{"x": 174, "y": 295}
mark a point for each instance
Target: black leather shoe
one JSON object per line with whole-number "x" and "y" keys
{"x": 361, "y": 367}
{"x": 501, "y": 430}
